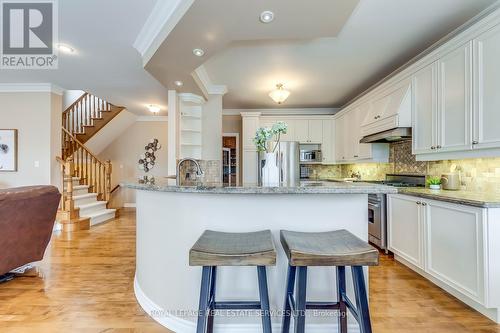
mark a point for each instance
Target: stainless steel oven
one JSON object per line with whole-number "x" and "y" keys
{"x": 377, "y": 220}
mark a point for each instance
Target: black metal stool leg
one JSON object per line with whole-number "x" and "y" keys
{"x": 290, "y": 286}
{"x": 264, "y": 299}
{"x": 204, "y": 295}
{"x": 300, "y": 298}
{"x": 361, "y": 299}
{"x": 211, "y": 299}
{"x": 341, "y": 289}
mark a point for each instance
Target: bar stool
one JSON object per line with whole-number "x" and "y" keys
{"x": 215, "y": 249}
{"x": 335, "y": 248}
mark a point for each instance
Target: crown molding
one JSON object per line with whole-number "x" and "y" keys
{"x": 283, "y": 112}
{"x": 162, "y": 20}
{"x": 191, "y": 98}
{"x": 206, "y": 85}
{"x": 31, "y": 87}
{"x": 152, "y": 118}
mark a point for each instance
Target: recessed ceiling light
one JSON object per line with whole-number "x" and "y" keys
{"x": 198, "y": 52}
{"x": 266, "y": 16}
{"x": 179, "y": 83}
{"x": 65, "y": 48}
{"x": 154, "y": 108}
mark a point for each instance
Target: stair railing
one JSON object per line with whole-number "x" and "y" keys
{"x": 83, "y": 111}
{"x": 82, "y": 163}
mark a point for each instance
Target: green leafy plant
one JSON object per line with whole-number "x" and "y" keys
{"x": 434, "y": 181}
{"x": 264, "y": 134}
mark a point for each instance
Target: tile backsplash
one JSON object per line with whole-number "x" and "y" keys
{"x": 480, "y": 174}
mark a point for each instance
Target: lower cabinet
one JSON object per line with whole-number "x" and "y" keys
{"x": 405, "y": 229}
{"x": 444, "y": 240}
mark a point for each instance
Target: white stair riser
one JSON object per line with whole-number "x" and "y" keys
{"x": 84, "y": 201}
{"x": 81, "y": 191}
{"x": 86, "y": 211}
{"x": 102, "y": 218}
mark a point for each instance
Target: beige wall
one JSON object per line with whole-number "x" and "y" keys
{"x": 212, "y": 129}
{"x": 37, "y": 117}
{"x": 124, "y": 153}
{"x": 233, "y": 124}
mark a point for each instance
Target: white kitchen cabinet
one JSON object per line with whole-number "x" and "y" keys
{"x": 315, "y": 131}
{"x": 405, "y": 228}
{"x": 361, "y": 150}
{"x": 487, "y": 89}
{"x": 454, "y": 247}
{"x": 340, "y": 146}
{"x": 424, "y": 110}
{"x": 459, "y": 247}
{"x": 327, "y": 145}
{"x": 301, "y": 130}
{"x": 454, "y": 123}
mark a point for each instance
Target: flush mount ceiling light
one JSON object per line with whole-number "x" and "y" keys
{"x": 154, "y": 108}
{"x": 179, "y": 83}
{"x": 65, "y": 48}
{"x": 266, "y": 16}
{"x": 198, "y": 52}
{"x": 280, "y": 94}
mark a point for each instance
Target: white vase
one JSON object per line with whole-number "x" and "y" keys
{"x": 270, "y": 171}
{"x": 435, "y": 187}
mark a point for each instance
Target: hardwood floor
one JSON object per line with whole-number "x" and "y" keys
{"x": 85, "y": 284}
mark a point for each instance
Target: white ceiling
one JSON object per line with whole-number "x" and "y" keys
{"x": 325, "y": 52}
{"x": 106, "y": 64}
{"x": 380, "y": 36}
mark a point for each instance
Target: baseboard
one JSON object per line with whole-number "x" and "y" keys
{"x": 180, "y": 325}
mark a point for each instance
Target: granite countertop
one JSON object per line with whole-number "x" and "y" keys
{"x": 308, "y": 187}
{"x": 477, "y": 199}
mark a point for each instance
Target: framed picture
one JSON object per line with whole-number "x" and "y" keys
{"x": 8, "y": 150}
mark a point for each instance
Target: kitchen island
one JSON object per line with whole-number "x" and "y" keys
{"x": 170, "y": 218}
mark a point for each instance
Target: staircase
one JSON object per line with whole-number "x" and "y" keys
{"x": 86, "y": 179}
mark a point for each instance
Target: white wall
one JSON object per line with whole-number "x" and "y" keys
{"x": 212, "y": 128}
{"x": 124, "y": 154}
{"x": 37, "y": 117}
{"x": 70, "y": 96}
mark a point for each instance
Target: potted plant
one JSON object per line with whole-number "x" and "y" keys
{"x": 434, "y": 183}
{"x": 263, "y": 136}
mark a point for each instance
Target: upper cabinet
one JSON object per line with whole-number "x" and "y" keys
{"x": 424, "y": 105}
{"x": 487, "y": 90}
{"x": 455, "y": 100}
{"x": 348, "y": 133}
{"x": 442, "y": 104}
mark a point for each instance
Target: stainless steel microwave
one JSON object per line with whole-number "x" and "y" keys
{"x": 310, "y": 156}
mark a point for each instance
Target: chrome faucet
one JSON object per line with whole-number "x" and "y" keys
{"x": 199, "y": 171}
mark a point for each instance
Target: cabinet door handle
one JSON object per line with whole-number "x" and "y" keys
{"x": 419, "y": 203}
{"x": 356, "y": 156}
{"x": 475, "y": 142}
{"x": 433, "y": 147}
{"x": 424, "y": 204}
{"x": 438, "y": 147}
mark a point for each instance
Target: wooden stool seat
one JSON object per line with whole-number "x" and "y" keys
{"x": 215, "y": 248}
{"x": 333, "y": 248}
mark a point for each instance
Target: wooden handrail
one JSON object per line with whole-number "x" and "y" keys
{"x": 75, "y": 103}
{"x": 81, "y": 145}
{"x": 115, "y": 188}
{"x": 83, "y": 112}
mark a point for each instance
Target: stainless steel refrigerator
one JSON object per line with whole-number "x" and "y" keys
{"x": 288, "y": 159}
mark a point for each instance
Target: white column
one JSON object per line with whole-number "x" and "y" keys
{"x": 173, "y": 130}
{"x": 250, "y": 124}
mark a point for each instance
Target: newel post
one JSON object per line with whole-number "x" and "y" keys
{"x": 69, "y": 167}
{"x": 108, "y": 169}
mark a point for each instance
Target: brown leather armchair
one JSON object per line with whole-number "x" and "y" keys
{"x": 27, "y": 216}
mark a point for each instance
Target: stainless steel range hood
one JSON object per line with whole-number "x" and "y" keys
{"x": 393, "y": 135}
